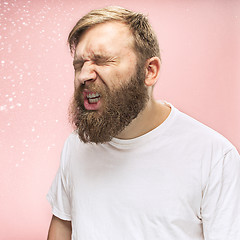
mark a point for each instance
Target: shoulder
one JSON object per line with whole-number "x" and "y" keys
{"x": 71, "y": 144}
{"x": 203, "y": 136}
{"x": 74, "y": 149}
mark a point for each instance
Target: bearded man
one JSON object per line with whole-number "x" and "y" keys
{"x": 134, "y": 167}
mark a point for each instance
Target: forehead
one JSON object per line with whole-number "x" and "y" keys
{"x": 112, "y": 38}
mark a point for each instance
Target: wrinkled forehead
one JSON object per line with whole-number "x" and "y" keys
{"x": 106, "y": 38}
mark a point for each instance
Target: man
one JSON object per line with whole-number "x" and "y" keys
{"x": 136, "y": 168}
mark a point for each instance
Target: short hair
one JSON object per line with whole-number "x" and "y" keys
{"x": 145, "y": 40}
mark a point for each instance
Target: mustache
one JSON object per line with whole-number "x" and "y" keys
{"x": 102, "y": 90}
{"x": 90, "y": 87}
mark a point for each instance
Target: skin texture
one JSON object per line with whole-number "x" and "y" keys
{"x": 59, "y": 229}
{"x": 113, "y": 42}
{"x": 119, "y": 61}
{"x": 115, "y": 110}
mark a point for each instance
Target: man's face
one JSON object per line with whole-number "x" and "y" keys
{"x": 109, "y": 83}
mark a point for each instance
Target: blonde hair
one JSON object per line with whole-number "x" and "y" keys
{"x": 145, "y": 41}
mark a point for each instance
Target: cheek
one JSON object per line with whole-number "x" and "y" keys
{"x": 128, "y": 69}
{"x": 126, "y": 74}
{"x": 115, "y": 76}
{"x": 106, "y": 75}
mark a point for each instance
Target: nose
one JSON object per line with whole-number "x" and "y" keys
{"x": 87, "y": 73}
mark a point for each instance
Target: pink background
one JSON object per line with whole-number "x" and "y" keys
{"x": 200, "y": 75}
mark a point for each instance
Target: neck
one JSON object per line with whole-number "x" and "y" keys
{"x": 152, "y": 116}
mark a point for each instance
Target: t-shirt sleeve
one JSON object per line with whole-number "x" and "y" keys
{"x": 58, "y": 195}
{"x": 221, "y": 199}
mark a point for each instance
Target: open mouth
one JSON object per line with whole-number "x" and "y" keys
{"x": 92, "y": 100}
{"x": 93, "y": 97}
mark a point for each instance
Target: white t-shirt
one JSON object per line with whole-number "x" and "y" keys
{"x": 181, "y": 181}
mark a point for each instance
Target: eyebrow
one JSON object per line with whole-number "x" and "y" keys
{"x": 94, "y": 57}
{"x": 77, "y": 61}
{"x": 101, "y": 57}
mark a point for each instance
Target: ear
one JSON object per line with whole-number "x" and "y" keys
{"x": 152, "y": 71}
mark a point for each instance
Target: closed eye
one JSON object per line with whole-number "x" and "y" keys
{"x": 77, "y": 64}
{"x": 103, "y": 60}
{"x": 99, "y": 60}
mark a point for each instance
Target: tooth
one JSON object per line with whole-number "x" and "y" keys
{"x": 93, "y": 100}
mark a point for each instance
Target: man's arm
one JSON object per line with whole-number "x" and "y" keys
{"x": 59, "y": 229}
{"x": 220, "y": 204}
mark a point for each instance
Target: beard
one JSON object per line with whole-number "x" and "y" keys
{"x": 118, "y": 108}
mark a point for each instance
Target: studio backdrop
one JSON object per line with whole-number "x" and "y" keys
{"x": 200, "y": 75}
